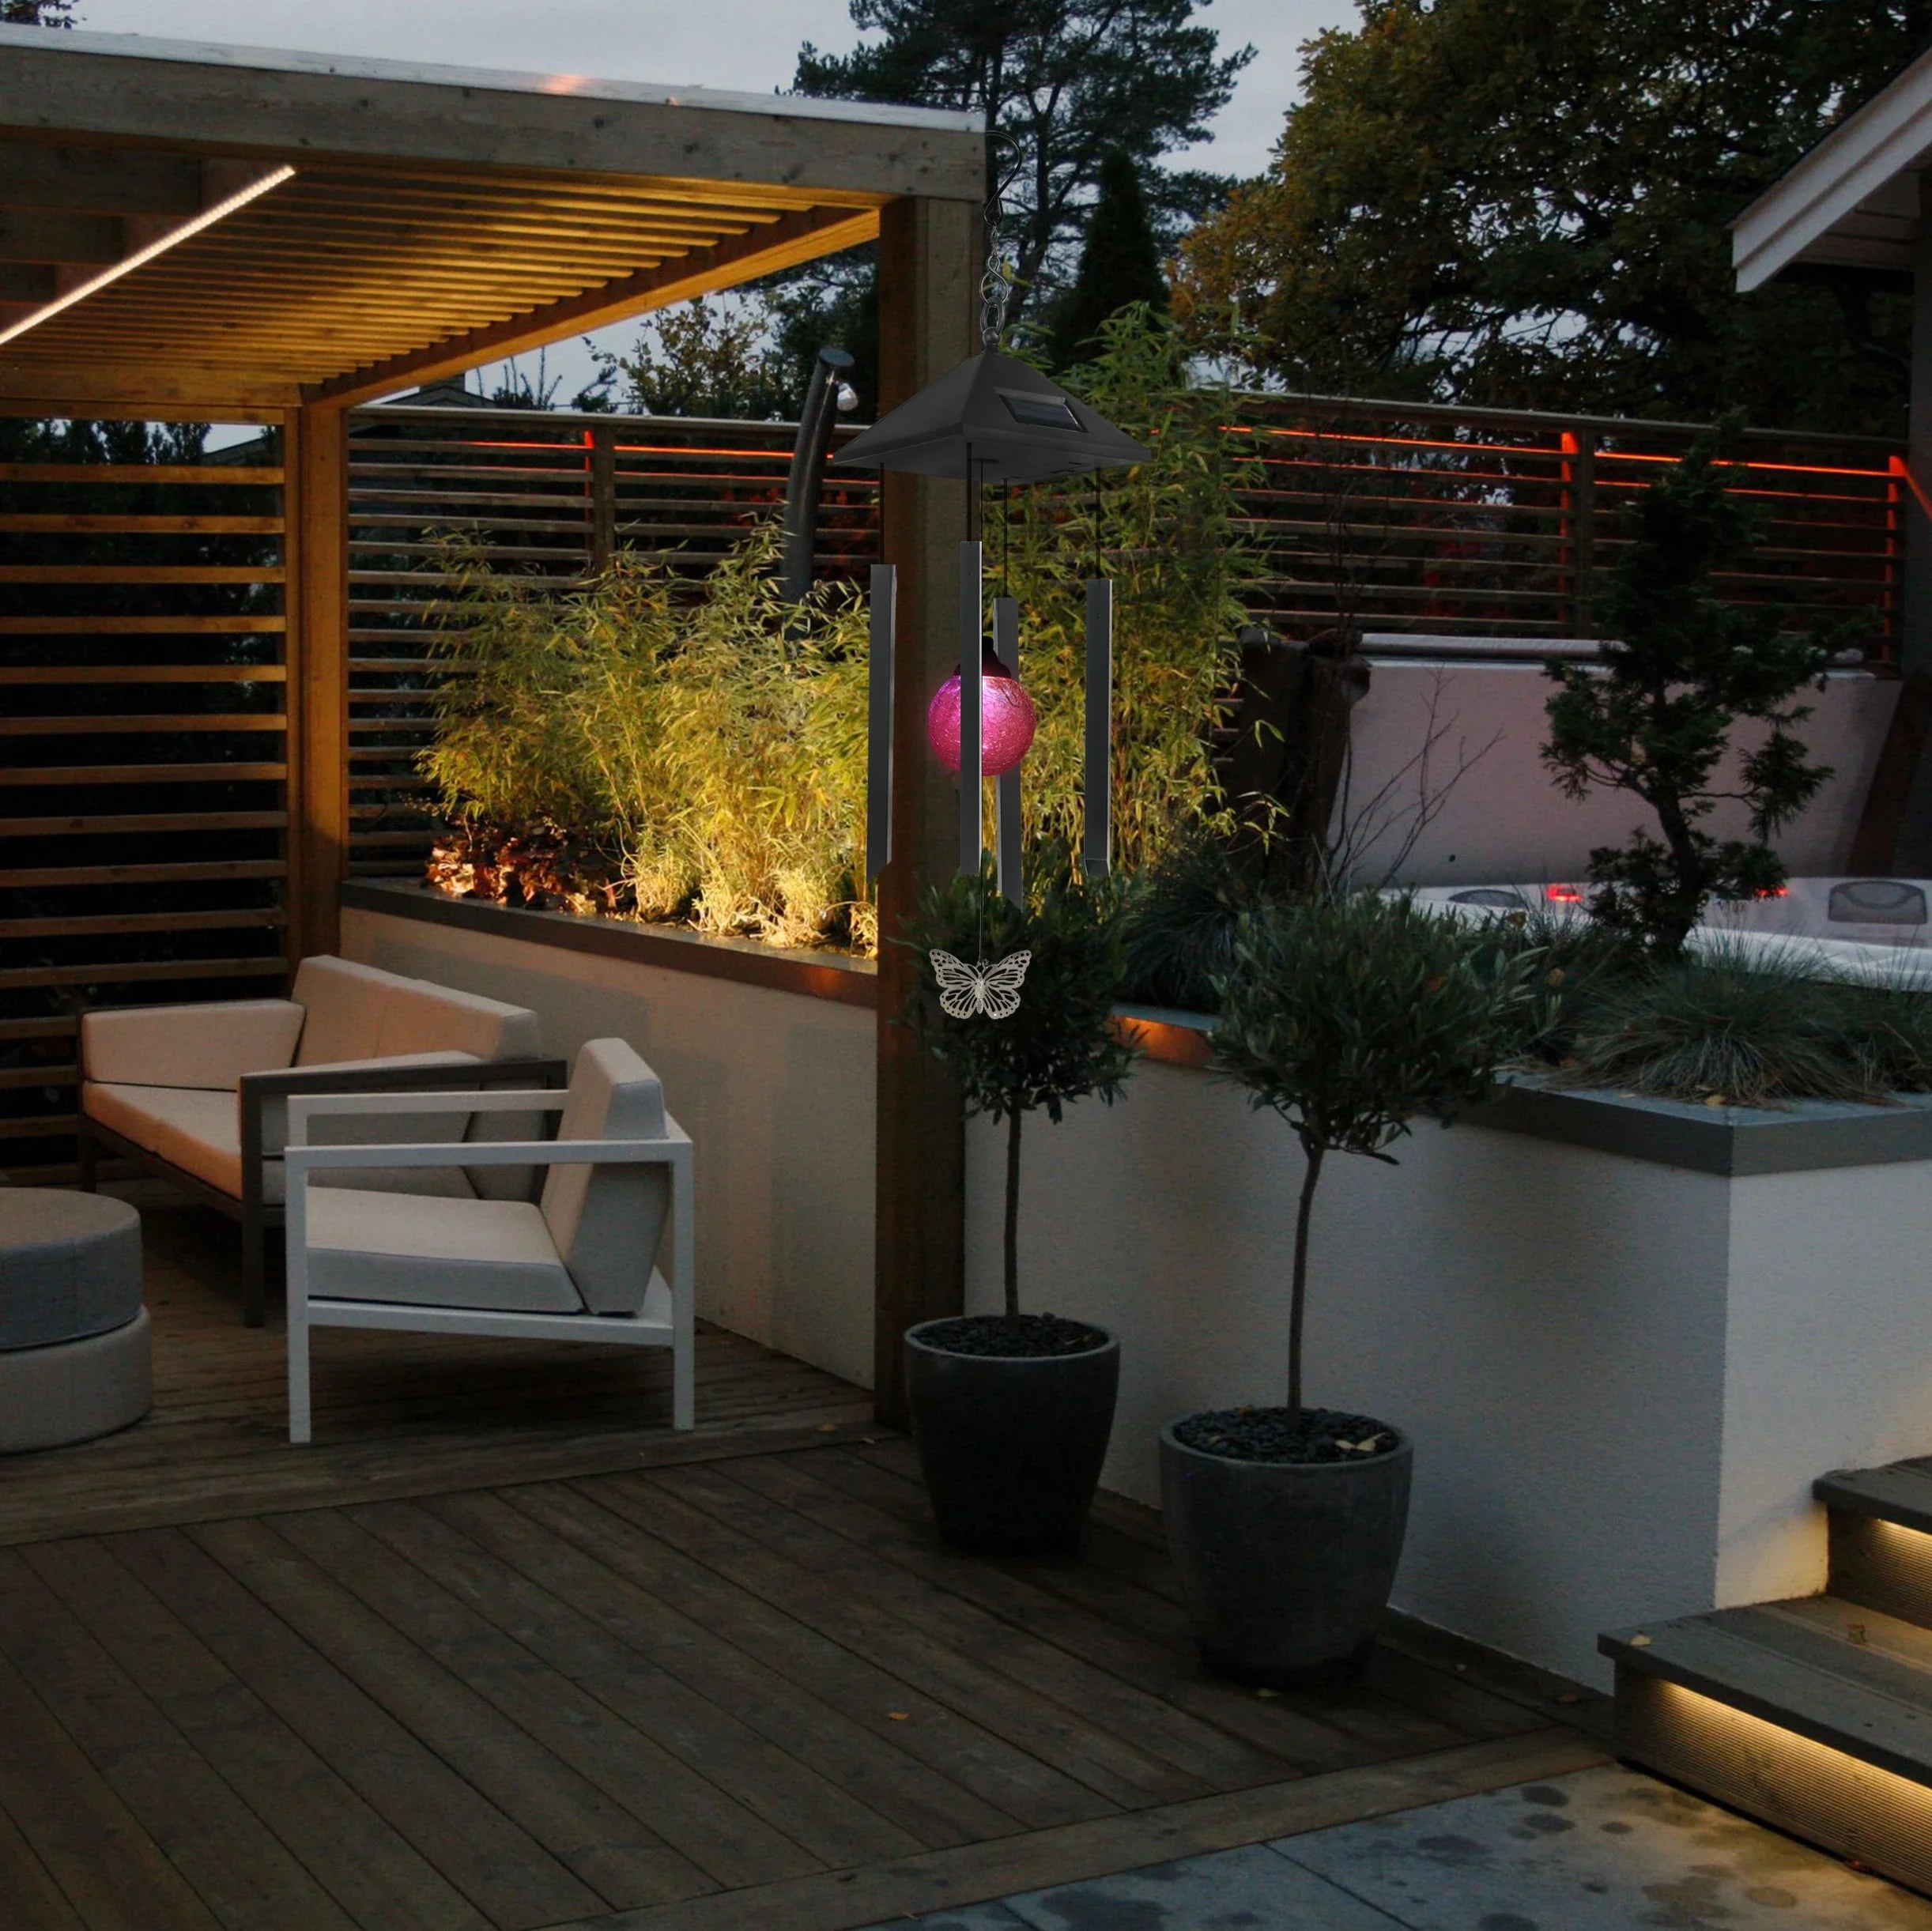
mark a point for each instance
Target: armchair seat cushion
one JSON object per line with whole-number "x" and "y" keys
{"x": 496, "y": 1255}
{"x": 200, "y": 1132}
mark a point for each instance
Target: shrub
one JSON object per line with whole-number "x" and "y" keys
{"x": 712, "y": 734}
{"x": 1059, "y": 1044}
{"x": 1654, "y": 717}
{"x": 1182, "y": 916}
{"x": 1168, "y": 533}
{"x": 1719, "y": 1029}
{"x": 1349, "y": 1016}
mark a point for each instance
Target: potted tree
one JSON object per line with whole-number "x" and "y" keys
{"x": 1012, "y": 1411}
{"x": 1347, "y": 1016}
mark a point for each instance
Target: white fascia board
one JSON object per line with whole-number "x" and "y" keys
{"x": 279, "y": 60}
{"x": 1889, "y": 136}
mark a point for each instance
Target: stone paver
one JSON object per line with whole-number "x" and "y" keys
{"x": 1248, "y": 1890}
{"x": 1605, "y": 1850}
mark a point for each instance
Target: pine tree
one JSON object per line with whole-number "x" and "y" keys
{"x": 1120, "y": 263}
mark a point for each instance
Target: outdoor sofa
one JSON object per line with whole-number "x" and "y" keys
{"x": 199, "y": 1093}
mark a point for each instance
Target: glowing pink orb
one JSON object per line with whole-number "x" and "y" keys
{"x": 1007, "y": 722}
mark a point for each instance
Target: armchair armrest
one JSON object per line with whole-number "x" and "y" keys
{"x": 420, "y": 1072}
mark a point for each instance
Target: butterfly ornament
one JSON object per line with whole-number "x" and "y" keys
{"x": 980, "y": 991}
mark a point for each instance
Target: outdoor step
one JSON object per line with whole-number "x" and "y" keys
{"x": 1900, "y": 1493}
{"x": 1880, "y": 1537}
{"x": 1815, "y": 1714}
{"x": 1843, "y": 1675}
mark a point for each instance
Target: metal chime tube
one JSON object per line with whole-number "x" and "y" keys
{"x": 1096, "y": 843}
{"x": 972, "y": 829}
{"x": 879, "y": 767}
{"x": 1006, "y": 795}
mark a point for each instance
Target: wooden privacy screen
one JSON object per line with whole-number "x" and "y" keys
{"x": 142, "y": 752}
{"x": 1455, "y": 522}
{"x": 554, "y": 494}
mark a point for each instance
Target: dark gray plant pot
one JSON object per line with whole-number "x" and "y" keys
{"x": 1285, "y": 1567}
{"x": 1011, "y": 1446}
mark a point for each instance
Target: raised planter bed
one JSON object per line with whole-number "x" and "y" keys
{"x": 1626, "y": 1334}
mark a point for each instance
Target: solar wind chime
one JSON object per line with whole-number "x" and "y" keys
{"x": 991, "y": 420}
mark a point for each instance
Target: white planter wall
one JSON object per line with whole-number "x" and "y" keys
{"x": 776, "y": 1090}
{"x": 1621, "y": 1377}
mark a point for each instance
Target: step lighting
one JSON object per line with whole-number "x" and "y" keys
{"x": 173, "y": 238}
{"x": 1856, "y": 1809}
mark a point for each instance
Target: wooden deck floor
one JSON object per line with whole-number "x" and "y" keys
{"x": 472, "y": 1676}
{"x": 396, "y": 1414}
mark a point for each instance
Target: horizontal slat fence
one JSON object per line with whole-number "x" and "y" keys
{"x": 143, "y": 760}
{"x": 553, "y": 495}
{"x": 1463, "y": 523}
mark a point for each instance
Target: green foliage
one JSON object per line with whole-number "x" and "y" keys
{"x": 1526, "y": 203}
{"x": 1060, "y": 1045}
{"x": 1889, "y": 1029}
{"x": 1119, "y": 262}
{"x": 1061, "y": 83}
{"x": 1655, "y": 718}
{"x": 36, "y": 13}
{"x": 1348, "y": 1016}
{"x": 702, "y": 358}
{"x": 1723, "y": 1029}
{"x": 1167, "y": 531}
{"x": 1182, "y": 917}
{"x": 726, "y": 761}
{"x": 670, "y": 720}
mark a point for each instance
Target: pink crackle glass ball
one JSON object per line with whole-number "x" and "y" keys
{"x": 1007, "y": 722}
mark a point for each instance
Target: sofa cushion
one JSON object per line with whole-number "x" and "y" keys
{"x": 418, "y": 1017}
{"x": 343, "y": 1005}
{"x": 208, "y": 1046}
{"x": 607, "y": 1221}
{"x": 488, "y": 1253}
{"x": 200, "y": 1133}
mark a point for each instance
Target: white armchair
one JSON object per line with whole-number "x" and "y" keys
{"x": 577, "y": 1265}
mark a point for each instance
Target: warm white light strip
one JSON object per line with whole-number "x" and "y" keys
{"x": 173, "y": 238}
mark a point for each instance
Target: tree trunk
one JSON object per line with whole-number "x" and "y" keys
{"x": 1298, "y": 1305}
{"x": 1013, "y": 1215}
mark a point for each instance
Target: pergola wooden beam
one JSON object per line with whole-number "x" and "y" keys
{"x": 798, "y": 237}
{"x": 172, "y": 94}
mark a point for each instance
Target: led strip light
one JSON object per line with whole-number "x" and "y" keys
{"x": 141, "y": 257}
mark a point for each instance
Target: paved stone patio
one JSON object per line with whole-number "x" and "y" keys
{"x": 1604, "y": 1849}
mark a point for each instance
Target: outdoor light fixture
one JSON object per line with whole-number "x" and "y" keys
{"x": 173, "y": 238}
{"x": 1007, "y": 719}
{"x": 993, "y": 419}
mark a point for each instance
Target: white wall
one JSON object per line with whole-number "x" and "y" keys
{"x": 1621, "y": 1378}
{"x": 1505, "y": 819}
{"x": 776, "y": 1090}
{"x": 1830, "y": 1361}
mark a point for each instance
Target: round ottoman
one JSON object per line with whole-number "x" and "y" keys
{"x": 76, "y": 1352}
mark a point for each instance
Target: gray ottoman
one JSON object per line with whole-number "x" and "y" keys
{"x": 76, "y": 1351}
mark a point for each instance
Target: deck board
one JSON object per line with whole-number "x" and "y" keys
{"x": 502, "y": 1654}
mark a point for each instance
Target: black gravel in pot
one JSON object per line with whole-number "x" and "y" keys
{"x": 1029, "y": 1335}
{"x": 1268, "y": 1435}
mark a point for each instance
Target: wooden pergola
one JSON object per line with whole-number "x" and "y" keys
{"x": 194, "y": 232}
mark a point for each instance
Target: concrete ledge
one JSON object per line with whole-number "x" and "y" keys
{"x": 817, "y": 975}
